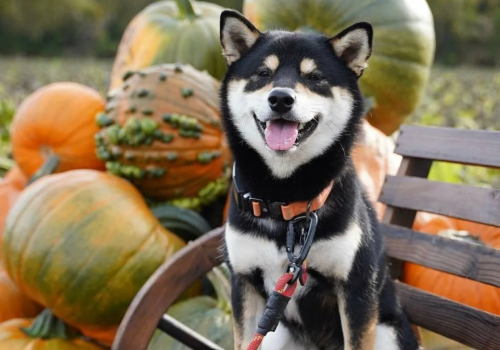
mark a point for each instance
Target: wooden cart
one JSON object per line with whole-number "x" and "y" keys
{"x": 404, "y": 194}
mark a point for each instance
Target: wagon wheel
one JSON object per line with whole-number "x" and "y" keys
{"x": 147, "y": 311}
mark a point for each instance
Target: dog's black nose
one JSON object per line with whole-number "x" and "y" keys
{"x": 281, "y": 100}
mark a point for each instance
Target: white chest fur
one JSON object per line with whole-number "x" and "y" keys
{"x": 332, "y": 257}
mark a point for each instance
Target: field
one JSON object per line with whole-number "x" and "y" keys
{"x": 456, "y": 97}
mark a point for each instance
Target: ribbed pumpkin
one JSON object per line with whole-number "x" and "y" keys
{"x": 205, "y": 315}
{"x": 162, "y": 131}
{"x": 232, "y": 4}
{"x": 403, "y": 47}
{"x": 82, "y": 243}
{"x": 374, "y": 159}
{"x": 9, "y": 193}
{"x": 13, "y": 303}
{"x": 57, "y": 119}
{"x": 14, "y": 335}
{"x": 180, "y": 31}
{"x": 465, "y": 291}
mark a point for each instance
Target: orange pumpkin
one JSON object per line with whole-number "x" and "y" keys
{"x": 57, "y": 119}
{"x": 39, "y": 334}
{"x": 162, "y": 131}
{"x": 460, "y": 289}
{"x": 17, "y": 177}
{"x": 374, "y": 159}
{"x": 13, "y": 303}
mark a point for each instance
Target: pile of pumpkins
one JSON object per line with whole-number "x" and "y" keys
{"x": 106, "y": 189}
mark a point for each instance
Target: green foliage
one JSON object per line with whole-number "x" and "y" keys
{"x": 464, "y": 98}
{"x": 75, "y": 27}
{"x": 467, "y": 31}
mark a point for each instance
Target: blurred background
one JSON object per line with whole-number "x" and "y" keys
{"x": 46, "y": 41}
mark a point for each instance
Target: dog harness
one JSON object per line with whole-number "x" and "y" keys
{"x": 302, "y": 222}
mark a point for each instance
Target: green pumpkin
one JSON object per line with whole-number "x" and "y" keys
{"x": 205, "y": 315}
{"x": 403, "y": 45}
{"x": 82, "y": 243}
{"x": 232, "y": 4}
{"x": 180, "y": 31}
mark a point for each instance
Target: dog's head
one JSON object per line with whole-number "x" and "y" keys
{"x": 291, "y": 96}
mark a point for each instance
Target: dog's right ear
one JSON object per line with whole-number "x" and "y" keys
{"x": 237, "y": 35}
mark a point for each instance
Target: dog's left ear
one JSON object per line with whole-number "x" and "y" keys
{"x": 354, "y": 46}
{"x": 237, "y": 35}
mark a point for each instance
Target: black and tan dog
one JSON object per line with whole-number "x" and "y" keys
{"x": 292, "y": 109}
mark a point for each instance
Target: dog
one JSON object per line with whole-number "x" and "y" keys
{"x": 291, "y": 110}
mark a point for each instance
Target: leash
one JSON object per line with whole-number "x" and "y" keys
{"x": 302, "y": 223}
{"x": 296, "y": 272}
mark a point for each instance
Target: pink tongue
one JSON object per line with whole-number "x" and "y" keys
{"x": 281, "y": 134}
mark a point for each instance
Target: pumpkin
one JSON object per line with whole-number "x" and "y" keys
{"x": 460, "y": 289}
{"x": 44, "y": 333}
{"x": 180, "y": 31}
{"x": 403, "y": 47}
{"x": 207, "y": 316}
{"x": 374, "y": 159}
{"x": 9, "y": 193}
{"x": 162, "y": 131}
{"x": 16, "y": 176}
{"x": 82, "y": 243}
{"x": 57, "y": 120}
{"x": 232, "y": 4}
{"x": 13, "y": 303}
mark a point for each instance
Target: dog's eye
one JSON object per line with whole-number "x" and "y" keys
{"x": 264, "y": 74}
{"x": 313, "y": 77}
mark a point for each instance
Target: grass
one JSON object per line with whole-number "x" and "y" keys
{"x": 455, "y": 97}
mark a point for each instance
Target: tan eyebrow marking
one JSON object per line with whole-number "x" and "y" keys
{"x": 307, "y": 66}
{"x": 272, "y": 62}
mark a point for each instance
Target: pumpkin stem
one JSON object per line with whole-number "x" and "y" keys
{"x": 47, "y": 168}
{"x": 186, "y": 9}
{"x": 48, "y": 326}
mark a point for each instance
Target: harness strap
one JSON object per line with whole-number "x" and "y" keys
{"x": 261, "y": 208}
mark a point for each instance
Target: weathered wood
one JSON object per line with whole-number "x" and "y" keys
{"x": 164, "y": 287}
{"x": 469, "y": 326}
{"x": 185, "y": 335}
{"x": 458, "y": 201}
{"x": 473, "y": 147}
{"x": 472, "y": 261}
{"x": 401, "y": 216}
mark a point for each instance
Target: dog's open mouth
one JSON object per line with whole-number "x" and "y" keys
{"x": 282, "y": 135}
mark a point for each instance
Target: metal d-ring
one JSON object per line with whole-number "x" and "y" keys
{"x": 308, "y": 209}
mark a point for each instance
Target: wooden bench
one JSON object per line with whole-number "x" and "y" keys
{"x": 404, "y": 194}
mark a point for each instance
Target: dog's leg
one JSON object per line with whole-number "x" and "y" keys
{"x": 248, "y": 306}
{"x": 394, "y": 331}
{"x": 358, "y": 314}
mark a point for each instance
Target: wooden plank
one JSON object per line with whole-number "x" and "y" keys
{"x": 467, "y": 325}
{"x": 472, "y": 147}
{"x": 459, "y": 201}
{"x": 400, "y": 216}
{"x": 163, "y": 288}
{"x": 472, "y": 261}
{"x": 185, "y": 334}
{"x": 409, "y": 167}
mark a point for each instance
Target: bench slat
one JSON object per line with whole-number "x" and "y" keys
{"x": 469, "y": 326}
{"x": 458, "y": 201}
{"x": 472, "y": 261}
{"x": 472, "y": 147}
